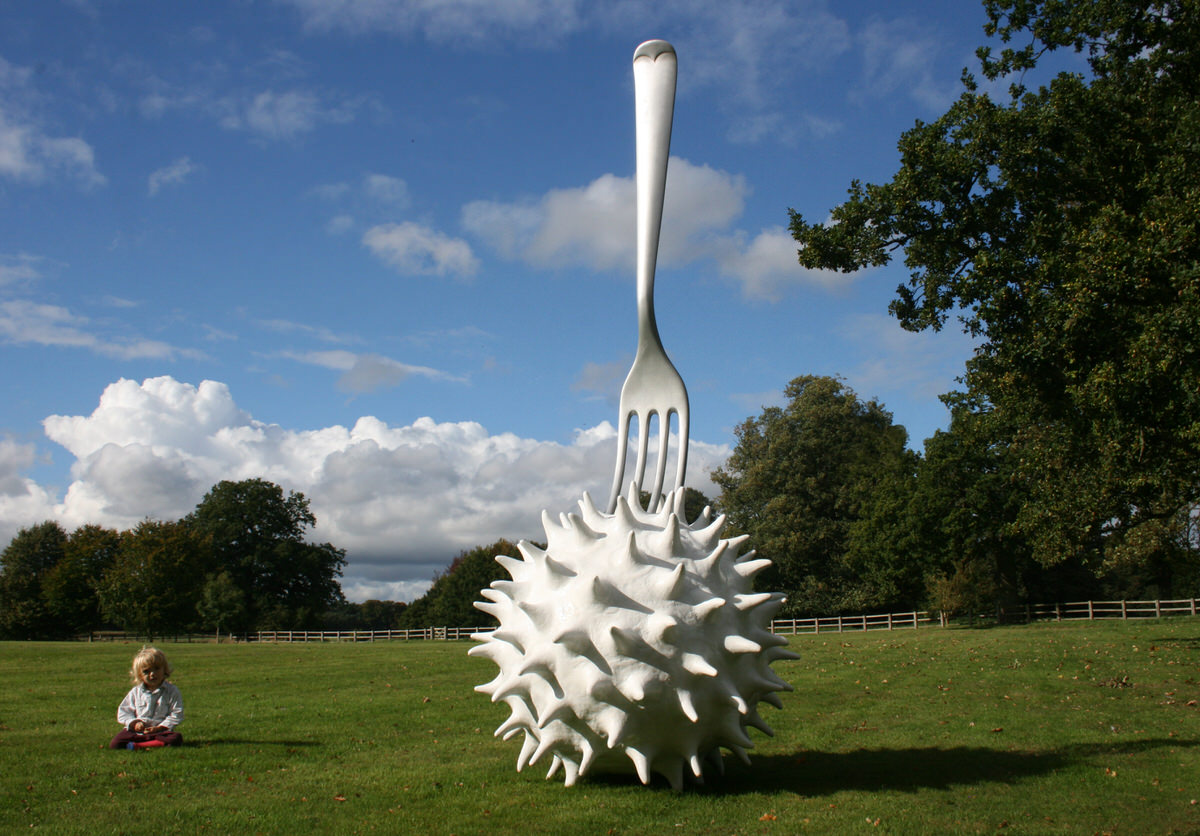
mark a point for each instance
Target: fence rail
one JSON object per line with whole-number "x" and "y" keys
{"x": 851, "y": 623}
{"x": 1093, "y": 610}
{"x": 1075, "y": 610}
{"x": 1090, "y": 610}
{"x": 420, "y": 634}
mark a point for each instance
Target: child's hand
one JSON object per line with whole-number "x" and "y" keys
{"x": 138, "y": 727}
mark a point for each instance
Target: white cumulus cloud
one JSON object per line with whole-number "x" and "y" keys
{"x": 23, "y": 502}
{"x": 414, "y": 249}
{"x": 367, "y": 372}
{"x": 29, "y": 154}
{"x": 403, "y": 501}
{"x": 170, "y": 175}
{"x": 444, "y": 20}
{"x": 20, "y": 268}
{"x": 766, "y": 265}
{"x": 592, "y": 226}
{"x": 283, "y": 115}
{"x": 386, "y": 189}
{"x": 24, "y": 322}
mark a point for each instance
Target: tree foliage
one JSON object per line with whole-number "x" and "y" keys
{"x": 24, "y": 565}
{"x": 155, "y": 579}
{"x": 255, "y": 533}
{"x": 221, "y": 602}
{"x": 450, "y": 601}
{"x": 799, "y": 479}
{"x": 70, "y": 589}
{"x": 1060, "y": 226}
{"x": 238, "y": 562}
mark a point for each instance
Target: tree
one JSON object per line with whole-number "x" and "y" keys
{"x": 381, "y": 615}
{"x": 450, "y": 601}
{"x": 800, "y": 476}
{"x": 221, "y": 603}
{"x": 256, "y": 535}
{"x": 154, "y": 582}
{"x": 24, "y": 564}
{"x": 69, "y": 589}
{"x": 966, "y": 505}
{"x": 694, "y": 502}
{"x": 1061, "y": 227}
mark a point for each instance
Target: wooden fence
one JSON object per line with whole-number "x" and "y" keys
{"x": 1093, "y": 610}
{"x": 421, "y": 634}
{"x": 780, "y": 626}
{"x": 1077, "y": 610}
{"x": 851, "y": 623}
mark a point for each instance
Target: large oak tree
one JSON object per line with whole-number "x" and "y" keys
{"x": 1060, "y": 225}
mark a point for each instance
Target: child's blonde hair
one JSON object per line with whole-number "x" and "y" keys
{"x": 147, "y": 657}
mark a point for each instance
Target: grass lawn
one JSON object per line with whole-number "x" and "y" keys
{"x": 1049, "y": 728}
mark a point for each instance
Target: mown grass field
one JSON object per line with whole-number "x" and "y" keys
{"x": 1050, "y": 728}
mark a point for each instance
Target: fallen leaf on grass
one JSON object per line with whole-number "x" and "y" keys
{"x": 339, "y": 798}
{"x": 767, "y": 817}
{"x": 1111, "y": 773}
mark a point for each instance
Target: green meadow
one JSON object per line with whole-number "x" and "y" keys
{"x": 1047, "y": 728}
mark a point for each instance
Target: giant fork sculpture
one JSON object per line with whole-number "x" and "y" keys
{"x": 634, "y": 638}
{"x": 653, "y": 386}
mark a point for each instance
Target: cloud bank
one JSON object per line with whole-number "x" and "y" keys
{"x": 592, "y": 226}
{"x": 403, "y": 501}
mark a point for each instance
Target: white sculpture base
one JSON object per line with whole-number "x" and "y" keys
{"x": 633, "y": 639}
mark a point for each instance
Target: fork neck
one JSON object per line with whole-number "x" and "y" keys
{"x": 654, "y": 73}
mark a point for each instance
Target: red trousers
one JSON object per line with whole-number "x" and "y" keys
{"x": 162, "y": 738}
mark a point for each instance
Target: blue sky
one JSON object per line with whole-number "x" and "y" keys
{"x": 381, "y": 252}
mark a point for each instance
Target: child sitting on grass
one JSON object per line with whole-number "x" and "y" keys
{"x": 152, "y": 708}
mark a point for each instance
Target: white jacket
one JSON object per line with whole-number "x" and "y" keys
{"x": 163, "y": 707}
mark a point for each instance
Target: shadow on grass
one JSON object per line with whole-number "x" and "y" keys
{"x": 811, "y": 774}
{"x": 908, "y": 770}
{"x": 238, "y": 741}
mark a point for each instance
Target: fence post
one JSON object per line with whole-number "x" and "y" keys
{"x": 1124, "y": 615}
{"x": 1091, "y": 615}
{"x": 1157, "y": 608}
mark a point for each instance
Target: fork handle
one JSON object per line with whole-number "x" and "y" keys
{"x": 654, "y": 73}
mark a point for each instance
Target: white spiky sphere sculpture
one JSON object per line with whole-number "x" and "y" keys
{"x": 633, "y": 639}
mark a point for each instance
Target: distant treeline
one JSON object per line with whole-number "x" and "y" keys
{"x": 238, "y": 562}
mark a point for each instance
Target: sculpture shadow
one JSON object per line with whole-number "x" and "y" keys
{"x": 814, "y": 773}
{"x": 873, "y": 770}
